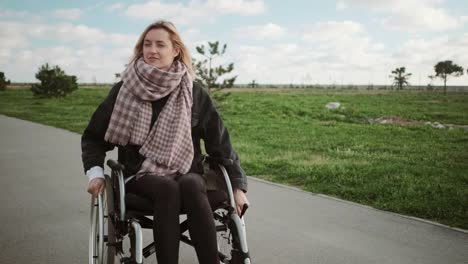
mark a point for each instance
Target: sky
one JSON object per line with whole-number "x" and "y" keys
{"x": 276, "y": 42}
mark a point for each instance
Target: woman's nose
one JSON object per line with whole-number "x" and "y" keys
{"x": 153, "y": 49}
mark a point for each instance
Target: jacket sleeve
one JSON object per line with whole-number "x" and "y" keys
{"x": 93, "y": 145}
{"x": 218, "y": 144}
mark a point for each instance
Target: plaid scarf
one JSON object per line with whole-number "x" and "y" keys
{"x": 168, "y": 146}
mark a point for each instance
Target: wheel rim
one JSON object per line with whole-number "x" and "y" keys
{"x": 101, "y": 227}
{"x": 102, "y": 238}
{"x": 92, "y": 233}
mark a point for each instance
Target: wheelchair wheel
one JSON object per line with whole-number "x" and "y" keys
{"x": 102, "y": 232}
{"x": 228, "y": 239}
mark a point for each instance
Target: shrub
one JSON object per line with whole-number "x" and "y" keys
{"x": 54, "y": 82}
{"x": 3, "y": 82}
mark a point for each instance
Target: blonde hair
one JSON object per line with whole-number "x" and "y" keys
{"x": 174, "y": 36}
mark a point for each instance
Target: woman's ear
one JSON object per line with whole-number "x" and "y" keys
{"x": 176, "y": 52}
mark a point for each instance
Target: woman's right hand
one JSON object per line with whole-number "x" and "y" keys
{"x": 96, "y": 186}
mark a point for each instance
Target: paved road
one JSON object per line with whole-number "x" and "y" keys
{"x": 44, "y": 214}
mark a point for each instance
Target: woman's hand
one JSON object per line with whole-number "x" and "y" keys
{"x": 96, "y": 186}
{"x": 240, "y": 199}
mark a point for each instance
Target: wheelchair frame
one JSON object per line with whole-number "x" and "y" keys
{"x": 105, "y": 216}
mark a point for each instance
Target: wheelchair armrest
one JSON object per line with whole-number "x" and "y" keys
{"x": 222, "y": 161}
{"x": 115, "y": 165}
{"x": 227, "y": 181}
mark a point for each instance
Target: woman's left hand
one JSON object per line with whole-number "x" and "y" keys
{"x": 240, "y": 199}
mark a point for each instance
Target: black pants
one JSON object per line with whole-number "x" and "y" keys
{"x": 169, "y": 196}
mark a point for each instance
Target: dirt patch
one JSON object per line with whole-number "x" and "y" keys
{"x": 396, "y": 120}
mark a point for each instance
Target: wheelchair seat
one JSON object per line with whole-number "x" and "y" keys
{"x": 120, "y": 216}
{"x": 139, "y": 204}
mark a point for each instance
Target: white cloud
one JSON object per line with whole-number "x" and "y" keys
{"x": 282, "y": 64}
{"x": 325, "y": 52}
{"x": 121, "y": 40}
{"x": 70, "y": 14}
{"x": 16, "y": 34}
{"x": 410, "y": 15}
{"x": 12, "y": 36}
{"x": 12, "y": 14}
{"x": 421, "y": 54}
{"x": 87, "y": 63}
{"x": 345, "y": 43}
{"x": 340, "y": 5}
{"x": 7, "y": 14}
{"x": 241, "y": 7}
{"x": 332, "y": 31}
{"x": 352, "y": 59}
{"x": 194, "y": 11}
{"x": 76, "y": 33}
{"x": 152, "y": 10}
{"x": 331, "y": 52}
{"x": 81, "y": 50}
{"x": 114, "y": 7}
{"x": 267, "y": 31}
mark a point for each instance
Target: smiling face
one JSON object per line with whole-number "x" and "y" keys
{"x": 158, "y": 49}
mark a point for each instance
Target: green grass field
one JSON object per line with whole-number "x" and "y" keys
{"x": 290, "y": 137}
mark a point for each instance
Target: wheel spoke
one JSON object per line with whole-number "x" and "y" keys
{"x": 102, "y": 237}
{"x": 223, "y": 236}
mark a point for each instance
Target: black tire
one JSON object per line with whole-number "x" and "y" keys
{"x": 111, "y": 237}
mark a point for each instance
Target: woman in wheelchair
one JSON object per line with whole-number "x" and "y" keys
{"x": 157, "y": 116}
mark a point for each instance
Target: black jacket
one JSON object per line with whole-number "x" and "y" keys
{"x": 206, "y": 125}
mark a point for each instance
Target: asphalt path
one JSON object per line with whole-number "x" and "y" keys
{"x": 44, "y": 213}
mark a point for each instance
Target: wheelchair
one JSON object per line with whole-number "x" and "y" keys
{"x": 117, "y": 217}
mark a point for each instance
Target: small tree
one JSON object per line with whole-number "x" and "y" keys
{"x": 253, "y": 84}
{"x": 3, "y": 82}
{"x": 208, "y": 75}
{"x": 400, "y": 77}
{"x": 430, "y": 86}
{"x": 54, "y": 82}
{"x": 444, "y": 69}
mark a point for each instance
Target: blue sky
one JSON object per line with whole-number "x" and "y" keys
{"x": 342, "y": 41}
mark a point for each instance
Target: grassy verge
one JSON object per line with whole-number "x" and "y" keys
{"x": 289, "y": 137}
